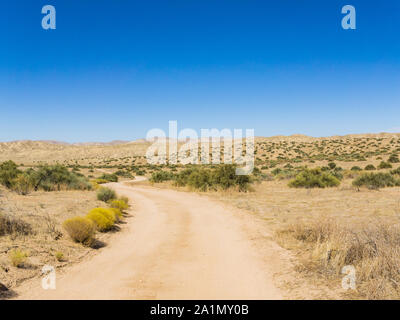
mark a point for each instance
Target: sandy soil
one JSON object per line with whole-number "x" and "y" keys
{"x": 176, "y": 246}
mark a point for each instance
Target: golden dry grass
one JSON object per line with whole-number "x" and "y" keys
{"x": 371, "y": 248}
{"x": 330, "y": 228}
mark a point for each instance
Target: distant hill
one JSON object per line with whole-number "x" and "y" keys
{"x": 33, "y": 152}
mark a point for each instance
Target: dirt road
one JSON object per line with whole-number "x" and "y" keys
{"x": 177, "y": 245}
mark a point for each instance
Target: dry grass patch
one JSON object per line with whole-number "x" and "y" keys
{"x": 332, "y": 227}
{"x": 372, "y": 249}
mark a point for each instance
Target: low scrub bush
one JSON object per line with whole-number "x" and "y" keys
{"x": 370, "y": 167}
{"x": 18, "y": 257}
{"x": 199, "y": 179}
{"x": 276, "y": 171}
{"x": 355, "y": 168}
{"x": 396, "y": 171}
{"x": 109, "y": 177}
{"x": 203, "y": 179}
{"x": 384, "y": 165}
{"x": 59, "y": 256}
{"x": 332, "y": 165}
{"x": 117, "y": 213}
{"x": 314, "y": 178}
{"x": 337, "y": 172}
{"x": 223, "y": 177}
{"x": 376, "y": 180}
{"x": 10, "y": 225}
{"x": 48, "y": 178}
{"x": 95, "y": 185}
{"x": 106, "y": 194}
{"x": 394, "y": 158}
{"x": 8, "y": 172}
{"x": 58, "y": 177}
{"x": 103, "y": 218}
{"x": 100, "y": 181}
{"x": 119, "y": 204}
{"x": 161, "y": 176}
{"x": 124, "y": 199}
{"x": 80, "y": 229}
{"x": 284, "y": 174}
{"x": 124, "y": 174}
{"x": 22, "y": 184}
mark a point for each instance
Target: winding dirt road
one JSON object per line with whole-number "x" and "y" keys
{"x": 176, "y": 245}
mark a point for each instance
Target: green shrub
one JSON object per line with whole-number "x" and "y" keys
{"x": 59, "y": 256}
{"x": 103, "y": 218}
{"x": 337, "y": 172}
{"x": 117, "y": 213}
{"x": 276, "y": 171}
{"x": 394, "y": 158}
{"x": 106, "y": 194}
{"x": 22, "y": 184}
{"x": 124, "y": 199}
{"x": 314, "y": 178}
{"x": 332, "y": 165}
{"x": 119, "y": 204}
{"x": 396, "y": 171}
{"x": 376, "y": 180}
{"x": 57, "y": 177}
{"x": 18, "y": 257}
{"x": 285, "y": 174}
{"x": 109, "y": 177}
{"x": 80, "y": 229}
{"x": 8, "y": 172}
{"x": 370, "y": 167}
{"x": 355, "y": 168}
{"x": 182, "y": 178}
{"x": 125, "y": 174}
{"x": 225, "y": 177}
{"x": 222, "y": 177}
{"x": 100, "y": 181}
{"x": 161, "y": 176}
{"x": 384, "y": 165}
{"x": 200, "y": 179}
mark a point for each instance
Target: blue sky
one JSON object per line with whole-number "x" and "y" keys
{"x": 116, "y": 69}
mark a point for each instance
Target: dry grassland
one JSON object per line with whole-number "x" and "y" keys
{"x": 330, "y": 228}
{"x": 46, "y": 242}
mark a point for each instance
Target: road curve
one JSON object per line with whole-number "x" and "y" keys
{"x": 177, "y": 245}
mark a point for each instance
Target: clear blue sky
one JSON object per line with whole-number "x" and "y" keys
{"x": 115, "y": 69}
